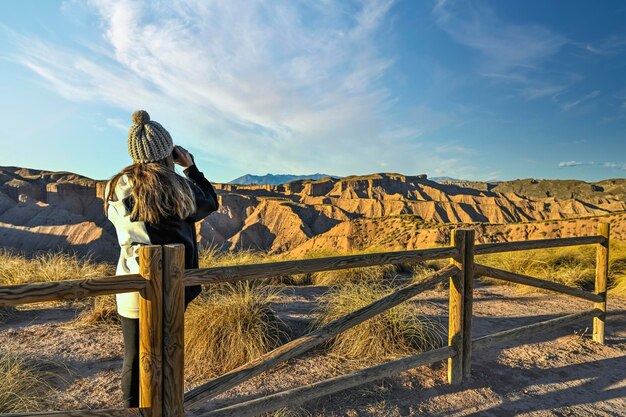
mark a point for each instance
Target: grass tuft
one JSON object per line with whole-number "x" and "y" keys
{"x": 24, "y": 386}
{"x": 100, "y": 314}
{"x": 617, "y": 268}
{"x": 398, "y": 331}
{"x": 230, "y": 326}
{"x": 353, "y": 275}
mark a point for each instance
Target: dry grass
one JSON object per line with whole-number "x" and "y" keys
{"x": 211, "y": 256}
{"x": 48, "y": 266}
{"x": 398, "y": 331}
{"x": 24, "y": 386}
{"x": 617, "y": 268}
{"x": 572, "y": 266}
{"x": 422, "y": 269}
{"x": 228, "y": 327}
{"x": 100, "y": 314}
{"x": 353, "y": 275}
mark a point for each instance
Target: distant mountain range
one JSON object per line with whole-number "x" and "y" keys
{"x": 442, "y": 179}
{"x": 276, "y": 179}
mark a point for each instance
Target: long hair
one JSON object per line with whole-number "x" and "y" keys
{"x": 157, "y": 192}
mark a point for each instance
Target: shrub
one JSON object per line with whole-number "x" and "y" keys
{"x": 230, "y": 326}
{"x": 398, "y": 331}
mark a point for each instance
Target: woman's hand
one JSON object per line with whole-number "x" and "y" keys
{"x": 182, "y": 157}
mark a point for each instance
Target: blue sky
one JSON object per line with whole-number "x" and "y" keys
{"x": 481, "y": 90}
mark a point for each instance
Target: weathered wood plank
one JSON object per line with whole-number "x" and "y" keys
{"x": 296, "y": 347}
{"x": 151, "y": 331}
{"x": 487, "y": 271}
{"x": 11, "y": 295}
{"x": 173, "y": 330}
{"x": 265, "y": 270}
{"x": 519, "y": 332}
{"x": 114, "y": 412}
{"x": 602, "y": 274}
{"x": 486, "y": 248}
{"x": 468, "y": 302}
{"x": 455, "y": 315}
{"x": 310, "y": 392}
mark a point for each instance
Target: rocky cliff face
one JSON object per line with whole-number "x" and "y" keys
{"x": 42, "y": 210}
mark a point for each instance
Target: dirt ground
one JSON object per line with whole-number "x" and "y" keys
{"x": 560, "y": 373}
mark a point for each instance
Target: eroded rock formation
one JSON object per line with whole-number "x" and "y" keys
{"x": 59, "y": 210}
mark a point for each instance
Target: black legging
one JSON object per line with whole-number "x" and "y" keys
{"x": 130, "y": 368}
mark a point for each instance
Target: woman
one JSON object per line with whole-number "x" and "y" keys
{"x": 148, "y": 203}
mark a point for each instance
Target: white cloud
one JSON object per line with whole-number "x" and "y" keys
{"x": 262, "y": 85}
{"x": 117, "y": 123}
{"x": 609, "y": 46}
{"x": 513, "y": 54}
{"x": 573, "y": 164}
{"x": 504, "y": 46}
{"x": 568, "y": 105}
{"x": 615, "y": 165}
{"x": 611, "y": 165}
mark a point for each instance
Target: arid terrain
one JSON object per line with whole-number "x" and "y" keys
{"x": 42, "y": 210}
{"x": 560, "y": 373}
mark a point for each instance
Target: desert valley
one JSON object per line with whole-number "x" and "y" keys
{"x": 42, "y": 210}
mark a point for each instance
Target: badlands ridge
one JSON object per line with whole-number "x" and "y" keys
{"x": 42, "y": 210}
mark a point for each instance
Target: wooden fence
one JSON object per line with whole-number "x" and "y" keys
{"x": 161, "y": 283}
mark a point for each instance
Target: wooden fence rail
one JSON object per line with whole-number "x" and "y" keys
{"x": 161, "y": 283}
{"x": 38, "y": 292}
{"x": 315, "y": 338}
{"x": 271, "y": 269}
{"x": 297, "y": 396}
{"x": 486, "y": 271}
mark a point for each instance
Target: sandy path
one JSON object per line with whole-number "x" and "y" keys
{"x": 562, "y": 373}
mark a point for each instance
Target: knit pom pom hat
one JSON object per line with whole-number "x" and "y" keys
{"x": 148, "y": 141}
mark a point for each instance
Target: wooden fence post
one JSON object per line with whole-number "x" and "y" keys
{"x": 455, "y": 314}
{"x": 150, "y": 331}
{"x": 173, "y": 330}
{"x": 602, "y": 272}
{"x": 468, "y": 301}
